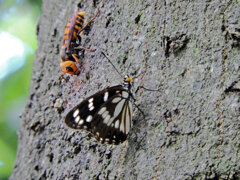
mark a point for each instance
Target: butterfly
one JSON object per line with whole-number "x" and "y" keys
{"x": 107, "y": 114}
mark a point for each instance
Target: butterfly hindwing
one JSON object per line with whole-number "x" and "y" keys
{"x": 113, "y": 120}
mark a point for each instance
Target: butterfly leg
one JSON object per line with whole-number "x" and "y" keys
{"x": 142, "y": 87}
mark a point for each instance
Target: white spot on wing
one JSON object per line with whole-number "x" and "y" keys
{"x": 125, "y": 94}
{"x": 118, "y": 108}
{"x": 122, "y": 125}
{"x": 131, "y": 111}
{"x": 90, "y": 100}
{"x": 76, "y": 112}
{"x": 106, "y": 119}
{"x": 116, "y": 100}
{"x": 117, "y": 124}
{"x": 81, "y": 122}
{"x": 104, "y": 114}
{"x": 110, "y": 122}
{"x": 90, "y": 104}
{"x": 105, "y": 98}
{"x": 89, "y": 118}
{"x": 77, "y": 119}
{"x": 102, "y": 110}
{"x": 128, "y": 119}
{"x": 91, "y": 108}
{"x": 123, "y": 119}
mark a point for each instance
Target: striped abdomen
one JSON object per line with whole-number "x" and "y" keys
{"x": 72, "y": 29}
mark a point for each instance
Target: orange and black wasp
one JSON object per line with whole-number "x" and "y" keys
{"x": 72, "y": 33}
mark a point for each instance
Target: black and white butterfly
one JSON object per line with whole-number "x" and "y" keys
{"x": 106, "y": 114}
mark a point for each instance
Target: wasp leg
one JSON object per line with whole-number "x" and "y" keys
{"x": 83, "y": 48}
{"x": 62, "y": 77}
{"x": 76, "y": 57}
{"x": 89, "y": 21}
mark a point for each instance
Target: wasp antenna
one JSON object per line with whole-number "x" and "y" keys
{"x": 111, "y": 63}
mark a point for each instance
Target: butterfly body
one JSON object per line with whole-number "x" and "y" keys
{"x": 106, "y": 114}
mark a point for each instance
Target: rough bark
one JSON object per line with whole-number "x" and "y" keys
{"x": 189, "y": 50}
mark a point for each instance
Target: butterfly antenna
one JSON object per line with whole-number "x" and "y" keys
{"x": 142, "y": 87}
{"x": 111, "y": 63}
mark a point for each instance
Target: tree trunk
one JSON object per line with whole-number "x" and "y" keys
{"x": 189, "y": 50}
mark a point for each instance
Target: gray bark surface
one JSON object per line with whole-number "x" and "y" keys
{"x": 189, "y": 50}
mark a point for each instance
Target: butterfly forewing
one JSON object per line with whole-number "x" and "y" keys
{"x": 106, "y": 114}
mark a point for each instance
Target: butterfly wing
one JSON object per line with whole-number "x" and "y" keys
{"x": 113, "y": 120}
{"x": 106, "y": 114}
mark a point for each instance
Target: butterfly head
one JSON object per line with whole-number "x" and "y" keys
{"x": 128, "y": 82}
{"x": 128, "y": 79}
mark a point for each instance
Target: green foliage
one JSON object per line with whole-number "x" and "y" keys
{"x": 20, "y": 19}
{"x": 7, "y": 155}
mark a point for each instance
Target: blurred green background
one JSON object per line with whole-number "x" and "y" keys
{"x": 18, "y": 20}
